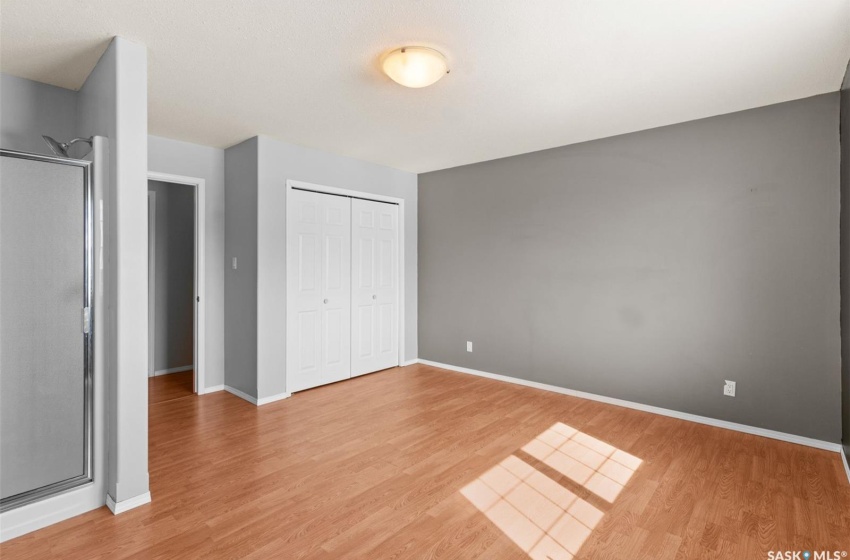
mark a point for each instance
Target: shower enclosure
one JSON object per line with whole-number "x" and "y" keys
{"x": 46, "y": 326}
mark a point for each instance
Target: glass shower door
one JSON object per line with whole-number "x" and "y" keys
{"x": 45, "y": 326}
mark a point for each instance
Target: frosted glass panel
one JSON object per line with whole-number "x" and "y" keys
{"x": 42, "y": 345}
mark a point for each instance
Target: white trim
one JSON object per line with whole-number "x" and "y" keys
{"x": 791, "y": 438}
{"x": 128, "y": 504}
{"x": 252, "y": 400}
{"x": 200, "y": 314}
{"x": 39, "y": 515}
{"x": 173, "y": 370}
{"x": 214, "y": 389}
{"x": 240, "y": 394}
{"x": 290, "y": 184}
{"x": 409, "y": 362}
{"x": 273, "y": 398}
{"x": 151, "y": 282}
{"x": 846, "y": 464}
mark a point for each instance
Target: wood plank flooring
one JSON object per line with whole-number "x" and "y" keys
{"x": 419, "y": 462}
{"x": 171, "y": 386}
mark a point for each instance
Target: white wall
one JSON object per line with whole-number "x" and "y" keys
{"x": 191, "y": 160}
{"x": 278, "y": 162}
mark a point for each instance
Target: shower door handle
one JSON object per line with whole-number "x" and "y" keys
{"x": 86, "y": 320}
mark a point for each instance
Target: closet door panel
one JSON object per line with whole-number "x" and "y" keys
{"x": 304, "y": 269}
{"x": 318, "y": 271}
{"x": 375, "y": 286}
{"x": 336, "y": 289}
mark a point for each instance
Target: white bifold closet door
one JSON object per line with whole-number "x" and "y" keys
{"x": 374, "y": 286}
{"x": 319, "y": 265}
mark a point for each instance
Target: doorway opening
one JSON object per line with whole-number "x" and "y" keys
{"x": 175, "y": 287}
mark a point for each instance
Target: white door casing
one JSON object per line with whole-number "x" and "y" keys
{"x": 319, "y": 289}
{"x": 374, "y": 286}
{"x": 200, "y": 305}
{"x": 151, "y": 282}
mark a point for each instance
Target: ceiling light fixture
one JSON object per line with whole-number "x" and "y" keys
{"x": 415, "y": 67}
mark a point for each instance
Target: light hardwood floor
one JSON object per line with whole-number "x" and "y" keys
{"x": 171, "y": 386}
{"x": 418, "y": 462}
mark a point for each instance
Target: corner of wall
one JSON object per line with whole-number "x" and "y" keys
{"x": 240, "y": 284}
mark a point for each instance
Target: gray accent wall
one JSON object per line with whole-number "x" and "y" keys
{"x": 651, "y": 267}
{"x": 202, "y": 162}
{"x": 845, "y": 260}
{"x": 174, "y": 273}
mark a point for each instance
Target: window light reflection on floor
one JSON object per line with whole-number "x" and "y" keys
{"x": 542, "y": 517}
{"x": 601, "y": 468}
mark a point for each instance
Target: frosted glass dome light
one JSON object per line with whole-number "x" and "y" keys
{"x": 415, "y": 67}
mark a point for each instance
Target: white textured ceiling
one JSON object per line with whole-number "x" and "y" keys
{"x": 526, "y": 75}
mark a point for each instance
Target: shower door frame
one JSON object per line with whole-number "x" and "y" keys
{"x": 87, "y": 477}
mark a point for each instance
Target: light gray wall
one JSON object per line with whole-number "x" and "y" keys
{"x": 845, "y": 260}
{"x": 192, "y": 160}
{"x": 255, "y": 229}
{"x": 240, "y": 285}
{"x": 174, "y": 274}
{"x": 113, "y": 103}
{"x": 29, "y": 109}
{"x": 651, "y": 266}
{"x": 277, "y": 163}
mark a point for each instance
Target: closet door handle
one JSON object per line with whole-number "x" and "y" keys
{"x": 326, "y": 300}
{"x": 374, "y": 296}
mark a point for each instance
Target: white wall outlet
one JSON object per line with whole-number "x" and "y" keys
{"x": 234, "y": 263}
{"x": 468, "y": 346}
{"x": 729, "y": 388}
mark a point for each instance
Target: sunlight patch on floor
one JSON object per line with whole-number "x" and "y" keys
{"x": 542, "y": 517}
{"x": 601, "y": 468}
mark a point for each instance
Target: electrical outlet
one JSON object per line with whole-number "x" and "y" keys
{"x": 729, "y": 388}
{"x": 468, "y": 346}
{"x": 234, "y": 263}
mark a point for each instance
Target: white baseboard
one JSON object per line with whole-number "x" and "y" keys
{"x": 172, "y": 370}
{"x": 846, "y": 464}
{"x": 213, "y": 389}
{"x": 409, "y": 362}
{"x": 810, "y": 442}
{"x": 252, "y": 400}
{"x": 240, "y": 394}
{"x": 32, "y": 517}
{"x": 128, "y": 504}
{"x": 273, "y": 398}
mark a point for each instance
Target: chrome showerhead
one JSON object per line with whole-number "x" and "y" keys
{"x": 57, "y": 148}
{"x": 61, "y": 148}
